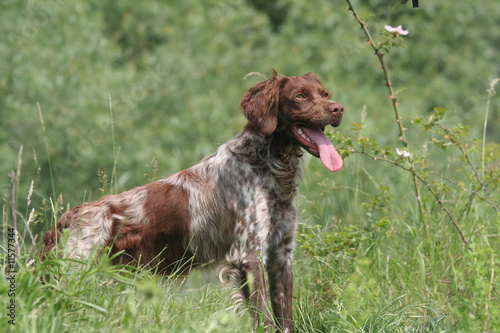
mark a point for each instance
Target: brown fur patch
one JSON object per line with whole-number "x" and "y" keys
{"x": 160, "y": 241}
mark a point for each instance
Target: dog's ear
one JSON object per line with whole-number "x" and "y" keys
{"x": 314, "y": 76}
{"x": 261, "y": 104}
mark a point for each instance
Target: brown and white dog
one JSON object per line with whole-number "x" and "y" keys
{"x": 235, "y": 208}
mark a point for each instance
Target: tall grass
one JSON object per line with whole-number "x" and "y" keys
{"x": 374, "y": 269}
{"x": 66, "y": 295}
{"x": 375, "y": 276}
{"x": 373, "y": 253}
{"x": 377, "y": 271}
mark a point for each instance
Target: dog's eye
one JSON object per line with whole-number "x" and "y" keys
{"x": 300, "y": 96}
{"x": 326, "y": 94}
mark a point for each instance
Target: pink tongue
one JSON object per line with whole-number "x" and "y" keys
{"x": 327, "y": 153}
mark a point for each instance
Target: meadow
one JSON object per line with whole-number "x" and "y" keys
{"x": 97, "y": 97}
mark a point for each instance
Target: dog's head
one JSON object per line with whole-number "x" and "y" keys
{"x": 300, "y": 108}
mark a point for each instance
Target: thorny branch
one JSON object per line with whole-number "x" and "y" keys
{"x": 415, "y": 175}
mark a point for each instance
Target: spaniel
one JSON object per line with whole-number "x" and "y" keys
{"x": 235, "y": 208}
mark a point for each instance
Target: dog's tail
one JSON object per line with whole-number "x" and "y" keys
{"x": 52, "y": 237}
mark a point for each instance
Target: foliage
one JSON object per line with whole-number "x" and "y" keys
{"x": 100, "y": 96}
{"x": 155, "y": 69}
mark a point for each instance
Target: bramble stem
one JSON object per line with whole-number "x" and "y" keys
{"x": 387, "y": 78}
{"x": 482, "y": 185}
{"x": 394, "y": 100}
{"x": 420, "y": 178}
{"x": 415, "y": 175}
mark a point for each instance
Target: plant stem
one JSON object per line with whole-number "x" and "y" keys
{"x": 114, "y": 177}
{"x": 474, "y": 193}
{"x": 399, "y": 121}
{"x": 481, "y": 184}
{"x": 49, "y": 160}
{"x": 420, "y": 178}
{"x": 387, "y": 78}
{"x": 491, "y": 92}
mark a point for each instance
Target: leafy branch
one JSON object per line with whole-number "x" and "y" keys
{"x": 427, "y": 184}
{"x": 380, "y": 55}
{"x": 418, "y": 167}
{"x": 392, "y": 94}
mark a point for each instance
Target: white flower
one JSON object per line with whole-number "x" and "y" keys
{"x": 397, "y": 31}
{"x": 403, "y": 153}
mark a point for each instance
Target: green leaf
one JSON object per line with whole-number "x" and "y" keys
{"x": 92, "y": 306}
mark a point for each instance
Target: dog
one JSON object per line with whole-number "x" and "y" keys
{"x": 235, "y": 208}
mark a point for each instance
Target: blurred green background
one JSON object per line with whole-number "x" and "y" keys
{"x": 173, "y": 73}
{"x": 99, "y": 96}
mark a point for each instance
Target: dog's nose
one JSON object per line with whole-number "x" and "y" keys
{"x": 336, "y": 108}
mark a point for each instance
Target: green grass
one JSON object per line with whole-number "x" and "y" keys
{"x": 98, "y": 297}
{"x": 384, "y": 274}
{"x": 126, "y": 94}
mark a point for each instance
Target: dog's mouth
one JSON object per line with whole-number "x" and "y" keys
{"x": 316, "y": 143}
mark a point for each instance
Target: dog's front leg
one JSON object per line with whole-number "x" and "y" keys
{"x": 280, "y": 274}
{"x": 255, "y": 271}
{"x": 280, "y": 277}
